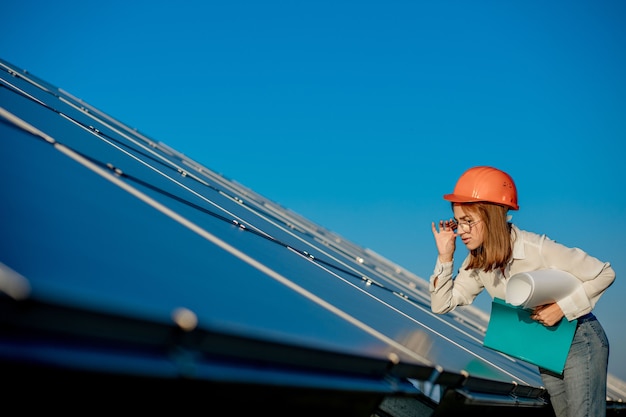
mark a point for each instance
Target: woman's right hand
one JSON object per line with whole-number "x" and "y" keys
{"x": 445, "y": 238}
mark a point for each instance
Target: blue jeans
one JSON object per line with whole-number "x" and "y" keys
{"x": 581, "y": 390}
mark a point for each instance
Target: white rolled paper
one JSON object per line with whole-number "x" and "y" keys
{"x": 534, "y": 288}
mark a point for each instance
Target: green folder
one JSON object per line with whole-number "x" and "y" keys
{"x": 512, "y": 331}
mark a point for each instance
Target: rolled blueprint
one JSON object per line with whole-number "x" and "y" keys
{"x": 534, "y": 288}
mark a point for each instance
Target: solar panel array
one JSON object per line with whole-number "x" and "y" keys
{"x": 142, "y": 262}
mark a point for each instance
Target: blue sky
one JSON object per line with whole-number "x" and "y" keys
{"x": 361, "y": 115}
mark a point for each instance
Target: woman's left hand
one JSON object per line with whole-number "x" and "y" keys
{"x": 548, "y": 314}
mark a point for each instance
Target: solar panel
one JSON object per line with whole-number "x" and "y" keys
{"x": 124, "y": 260}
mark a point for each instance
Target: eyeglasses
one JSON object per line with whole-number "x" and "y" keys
{"x": 466, "y": 227}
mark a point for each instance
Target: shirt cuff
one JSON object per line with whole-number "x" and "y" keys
{"x": 442, "y": 271}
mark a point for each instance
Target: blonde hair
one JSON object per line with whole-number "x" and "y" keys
{"x": 497, "y": 248}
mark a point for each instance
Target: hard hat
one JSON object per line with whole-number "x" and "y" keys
{"x": 487, "y": 184}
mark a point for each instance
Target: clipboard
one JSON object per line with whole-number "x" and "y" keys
{"x": 513, "y": 332}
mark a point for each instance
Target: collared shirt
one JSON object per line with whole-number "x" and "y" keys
{"x": 531, "y": 252}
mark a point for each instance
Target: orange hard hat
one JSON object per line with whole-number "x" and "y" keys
{"x": 487, "y": 184}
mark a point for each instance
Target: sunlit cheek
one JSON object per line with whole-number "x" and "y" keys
{"x": 478, "y": 235}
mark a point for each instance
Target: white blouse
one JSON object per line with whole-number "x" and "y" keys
{"x": 531, "y": 252}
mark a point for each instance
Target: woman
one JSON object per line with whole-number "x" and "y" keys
{"x": 498, "y": 250}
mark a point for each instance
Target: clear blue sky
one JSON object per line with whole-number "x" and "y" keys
{"x": 360, "y": 115}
